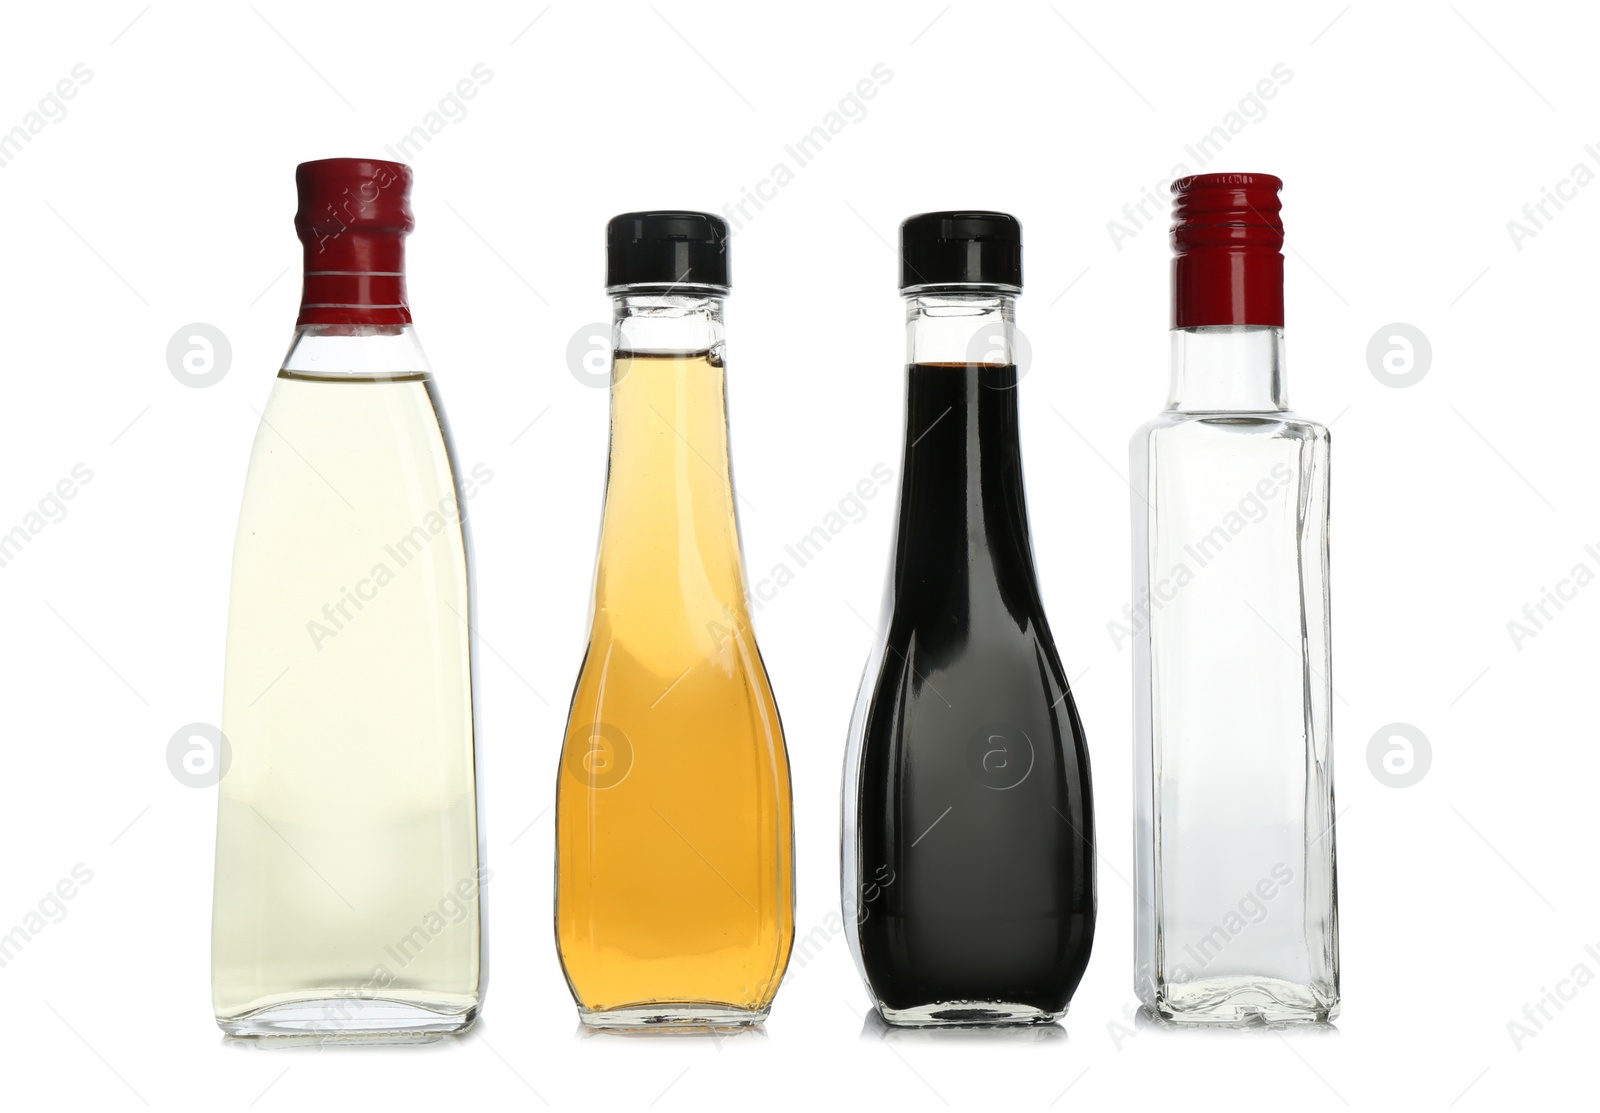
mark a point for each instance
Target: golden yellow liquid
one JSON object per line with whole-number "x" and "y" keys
{"x": 674, "y": 838}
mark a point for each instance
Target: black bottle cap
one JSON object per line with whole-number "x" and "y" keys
{"x": 961, "y": 248}
{"x": 667, "y": 248}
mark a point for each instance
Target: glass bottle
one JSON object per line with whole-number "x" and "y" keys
{"x": 674, "y": 838}
{"x": 348, "y": 864}
{"x": 1235, "y": 912}
{"x": 968, "y": 828}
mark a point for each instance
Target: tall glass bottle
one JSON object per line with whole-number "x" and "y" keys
{"x": 348, "y": 865}
{"x": 674, "y": 839}
{"x": 1236, "y": 915}
{"x": 968, "y": 844}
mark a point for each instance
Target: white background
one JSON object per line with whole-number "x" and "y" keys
{"x": 1408, "y": 136}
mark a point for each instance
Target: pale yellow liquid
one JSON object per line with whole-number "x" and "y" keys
{"x": 674, "y": 835}
{"x": 347, "y": 850}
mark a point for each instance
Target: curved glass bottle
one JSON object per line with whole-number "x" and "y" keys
{"x": 674, "y": 838}
{"x": 968, "y": 848}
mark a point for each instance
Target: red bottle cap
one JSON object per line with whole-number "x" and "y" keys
{"x": 1227, "y": 242}
{"x": 353, "y": 218}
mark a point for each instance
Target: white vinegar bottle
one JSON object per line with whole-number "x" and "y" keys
{"x": 1236, "y": 917}
{"x": 348, "y": 866}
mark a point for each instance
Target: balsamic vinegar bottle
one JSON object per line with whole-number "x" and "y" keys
{"x": 348, "y": 864}
{"x": 968, "y": 830}
{"x": 674, "y": 836}
{"x": 1236, "y": 914}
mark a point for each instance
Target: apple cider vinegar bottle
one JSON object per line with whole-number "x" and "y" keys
{"x": 674, "y": 840}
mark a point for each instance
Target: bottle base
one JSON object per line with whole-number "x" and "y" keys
{"x": 346, "y": 1018}
{"x": 968, "y": 1014}
{"x": 1243, "y": 1001}
{"x": 673, "y": 1014}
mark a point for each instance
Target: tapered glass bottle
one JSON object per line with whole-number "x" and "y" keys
{"x": 1236, "y": 917}
{"x": 674, "y": 838}
{"x": 348, "y": 865}
{"x": 968, "y": 827}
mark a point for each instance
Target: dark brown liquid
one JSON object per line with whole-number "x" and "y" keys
{"x": 973, "y": 792}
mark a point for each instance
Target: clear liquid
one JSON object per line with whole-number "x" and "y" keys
{"x": 674, "y": 888}
{"x": 1236, "y": 913}
{"x": 347, "y": 867}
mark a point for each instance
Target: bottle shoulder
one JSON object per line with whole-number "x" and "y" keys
{"x": 1174, "y": 426}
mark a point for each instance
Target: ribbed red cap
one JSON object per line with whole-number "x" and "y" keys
{"x": 1227, "y": 243}
{"x": 353, "y": 219}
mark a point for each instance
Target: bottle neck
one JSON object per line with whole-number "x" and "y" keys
{"x": 675, "y": 324}
{"x": 961, "y": 327}
{"x": 1228, "y": 369}
{"x": 356, "y": 353}
{"x": 668, "y": 400}
{"x": 354, "y": 277}
{"x": 669, "y": 537}
{"x": 963, "y": 529}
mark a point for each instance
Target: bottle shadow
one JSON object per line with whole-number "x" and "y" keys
{"x": 874, "y": 1027}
